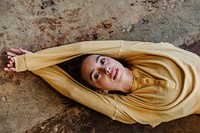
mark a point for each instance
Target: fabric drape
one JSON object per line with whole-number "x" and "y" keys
{"x": 165, "y": 86}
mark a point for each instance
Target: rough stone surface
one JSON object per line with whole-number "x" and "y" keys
{"x": 28, "y": 104}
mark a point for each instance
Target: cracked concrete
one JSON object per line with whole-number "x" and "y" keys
{"x": 28, "y": 104}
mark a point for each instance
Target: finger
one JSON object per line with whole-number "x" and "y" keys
{"x": 11, "y": 54}
{"x": 10, "y": 65}
{"x": 12, "y": 69}
{"x": 7, "y": 69}
{"x": 9, "y": 57}
{"x": 19, "y": 51}
{"x": 11, "y": 61}
{"x": 24, "y": 51}
{"x": 98, "y": 91}
{"x": 16, "y": 51}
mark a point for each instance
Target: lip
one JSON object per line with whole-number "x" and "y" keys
{"x": 115, "y": 73}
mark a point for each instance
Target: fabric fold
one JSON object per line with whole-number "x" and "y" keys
{"x": 178, "y": 71}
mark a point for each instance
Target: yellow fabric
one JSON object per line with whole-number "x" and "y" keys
{"x": 165, "y": 86}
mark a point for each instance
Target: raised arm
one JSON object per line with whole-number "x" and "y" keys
{"x": 65, "y": 84}
{"x": 69, "y": 87}
{"x": 42, "y": 63}
{"x": 52, "y": 56}
{"x": 55, "y": 55}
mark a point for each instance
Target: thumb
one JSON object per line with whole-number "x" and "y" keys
{"x": 24, "y": 51}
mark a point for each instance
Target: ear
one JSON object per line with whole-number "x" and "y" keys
{"x": 102, "y": 91}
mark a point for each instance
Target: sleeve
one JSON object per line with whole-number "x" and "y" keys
{"x": 69, "y": 87}
{"x": 133, "y": 49}
{"x": 42, "y": 63}
{"x": 116, "y": 49}
{"x": 52, "y": 56}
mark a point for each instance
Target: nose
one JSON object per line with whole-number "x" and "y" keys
{"x": 107, "y": 70}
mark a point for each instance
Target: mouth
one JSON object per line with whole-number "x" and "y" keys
{"x": 115, "y": 74}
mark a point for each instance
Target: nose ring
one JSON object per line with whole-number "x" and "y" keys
{"x": 107, "y": 70}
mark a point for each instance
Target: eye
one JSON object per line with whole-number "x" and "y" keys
{"x": 97, "y": 75}
{"x": 102, "y": 61}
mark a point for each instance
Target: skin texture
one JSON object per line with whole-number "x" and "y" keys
{"x": 10, "y": 56}
{"x": 107, "y": 74}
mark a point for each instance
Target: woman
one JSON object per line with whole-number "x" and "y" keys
{"x": 162, "y": 82}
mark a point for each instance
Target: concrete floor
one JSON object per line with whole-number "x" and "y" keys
{"x": 28, "y": 104}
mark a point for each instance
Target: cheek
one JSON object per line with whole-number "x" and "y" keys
{"x": 104, "y": 81}
{"x": 115, "y": 63}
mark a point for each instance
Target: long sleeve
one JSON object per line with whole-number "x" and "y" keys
{"x": 69, "y": 87}
{"x": 147, "y": 105}
{"x": 52, "y": 56}
{"x": 115, "y": 49}
{"x": 42, "y": 63}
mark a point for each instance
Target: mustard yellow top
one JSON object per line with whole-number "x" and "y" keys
{"x": 166, "y": 79}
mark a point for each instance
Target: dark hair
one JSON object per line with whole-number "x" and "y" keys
{"x": 73, "y": 68}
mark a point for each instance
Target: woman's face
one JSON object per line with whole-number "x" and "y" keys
{"x": 103, "y": 72}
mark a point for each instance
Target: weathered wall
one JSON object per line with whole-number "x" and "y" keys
{"x": 26, "y": 100}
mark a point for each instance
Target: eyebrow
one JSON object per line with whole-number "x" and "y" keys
{"x": 97, "y": 59}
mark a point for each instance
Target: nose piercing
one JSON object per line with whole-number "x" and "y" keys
{"x": 107, "y": 70}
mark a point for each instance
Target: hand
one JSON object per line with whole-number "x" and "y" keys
{"x": 10, "y": 55}
{"x": 104, "y": 92}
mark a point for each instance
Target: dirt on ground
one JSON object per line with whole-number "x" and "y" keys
{"x": 28, "y": 104}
